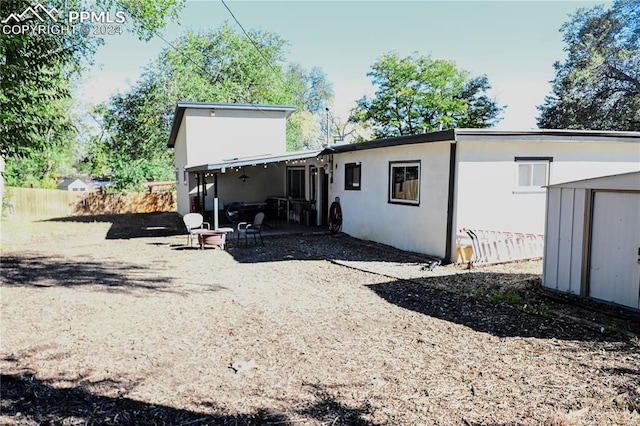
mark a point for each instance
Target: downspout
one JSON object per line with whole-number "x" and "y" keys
{"x": 448, "y": 251}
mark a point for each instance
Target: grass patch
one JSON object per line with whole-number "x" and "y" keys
{"x": 530, "y": 306}
{"x": 533, "y": 307}
{"x": 510, "y": 297}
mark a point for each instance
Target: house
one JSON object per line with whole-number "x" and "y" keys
{"x": 419, "y": 192}
{"x": 592, "y": 246}
{"x": 235, "y": 154}
{"x": 74, "y": 185}
{"x": 433, "y": 193}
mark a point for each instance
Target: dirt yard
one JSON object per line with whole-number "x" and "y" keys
{"x": 114, "y": 320}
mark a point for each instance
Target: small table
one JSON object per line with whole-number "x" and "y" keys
{"x": 215, "y": 237}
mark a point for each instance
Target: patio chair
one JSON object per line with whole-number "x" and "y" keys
{"x": 193, "y": 222}
{"x": 255, "y": 228}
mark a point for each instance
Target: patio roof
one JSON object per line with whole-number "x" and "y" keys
{"x": 257, "y": 160}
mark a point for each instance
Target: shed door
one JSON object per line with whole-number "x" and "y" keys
{"x": 615, "y": 241}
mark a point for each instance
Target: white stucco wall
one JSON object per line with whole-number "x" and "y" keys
{"x": 233, "y": 134}
{"x": 205, "y": 138}
{"x": 262, "y": 183}
{"x": 180, "y": 161}
{"x": 486, "y": 195}
{"x": 368, "y": 215}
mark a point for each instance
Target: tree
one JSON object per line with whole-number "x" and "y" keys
{"x": 37, "y": 70}
{"x": 417, "y": 94}
{"x": 598, "y": 85}
{"x": 212, "y": 66}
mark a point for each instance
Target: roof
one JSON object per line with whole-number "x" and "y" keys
{"x": 456, "y": 135}
{"x": 251, "y": 161}
{"x": 629, "y": 181}
{"x": 182, "y": 106}
{"x": 65, "y": 183}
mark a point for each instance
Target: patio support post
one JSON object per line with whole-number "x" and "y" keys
{"x": 204, "y": 194}
{"x": 197, "y": 207}
{"x": 215, "y": 201}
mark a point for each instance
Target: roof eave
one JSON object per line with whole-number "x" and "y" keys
{"x": 182, "y": 106}
{"x": 547, "y": 135}
{"x": 253, "y": 161}
{"x": 440, "y": 136}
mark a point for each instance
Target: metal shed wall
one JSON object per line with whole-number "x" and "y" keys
{"x": 570, "y": 245}
{"x": 564, "y": 239}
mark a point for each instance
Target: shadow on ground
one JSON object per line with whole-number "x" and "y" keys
{"x": 506, "y": 305}
{"x": 49, "y": 271}
{"x": 298, "y": 245}
{"x": 335, "y": 247}
{"x": 134, "y": 225}
{"x": 28, "y": 399}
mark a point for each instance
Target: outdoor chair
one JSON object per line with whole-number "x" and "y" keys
{"x": 194, "y": 222}
{"x": 255, "y": 228}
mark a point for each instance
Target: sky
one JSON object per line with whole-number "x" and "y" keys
{"x": 514, "y": 43}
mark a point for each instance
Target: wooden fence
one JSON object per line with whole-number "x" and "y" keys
{"x": 48, "y": 203}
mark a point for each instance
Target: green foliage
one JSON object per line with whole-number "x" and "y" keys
{"x": 417, "y": 94}
{"x": 34, "y": 86}
{"x": 598, "y": 85}
{"x": 530, "y": 305}
{"x": 511, "y": 297}
{"x": 213, "y": 66}
{"x": 94, "y": 161}
{"x": 37, "y": 69}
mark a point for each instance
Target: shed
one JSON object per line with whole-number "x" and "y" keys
{"x": 73, "y": 185}
{"x": 592, "y": 244}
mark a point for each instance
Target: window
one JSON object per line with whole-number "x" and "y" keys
{"x": 295, "y": 182}
{"x": 532, "y": 173}
{"x": 404, "y": 182}
{"x": 352, "y": 176}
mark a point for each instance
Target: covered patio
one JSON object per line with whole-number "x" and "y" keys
{"x": 291, "y": 189}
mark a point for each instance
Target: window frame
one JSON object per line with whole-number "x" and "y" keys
{"x": 404, "y": 164}
{"x": 349, "y": 181}
{"x": 301, "y": 181}
{"x": 532, "y": 161}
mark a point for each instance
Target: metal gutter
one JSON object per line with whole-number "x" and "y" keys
{"x": 441, "y": 136}
{"x": 253, "y": 161}
{"x": 554, "y": 135}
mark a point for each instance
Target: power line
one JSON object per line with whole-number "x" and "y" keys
{"x": 249, "y": 37}
{"x": 204, "y": 71}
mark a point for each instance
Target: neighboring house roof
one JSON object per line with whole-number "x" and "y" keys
{"x": 250, "y": 161}
{"x": 67, "y": 182}
{"x": 182, "y": 106}
{"x": 455, "y": 135}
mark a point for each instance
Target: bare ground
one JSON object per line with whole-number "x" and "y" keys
{"x": 113, "y": 320}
